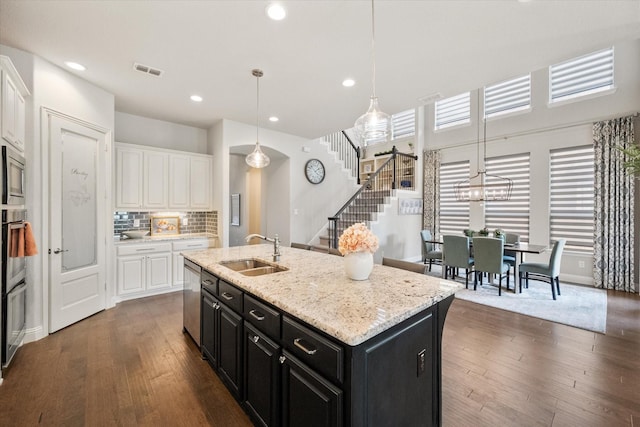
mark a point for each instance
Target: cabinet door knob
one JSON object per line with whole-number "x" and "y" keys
{"x": 255, "y": 338}
{"x": 281, "y": 359}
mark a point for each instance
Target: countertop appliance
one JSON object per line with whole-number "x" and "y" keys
{"x": 191, "y": 300}
{"x": 13, "y": 283}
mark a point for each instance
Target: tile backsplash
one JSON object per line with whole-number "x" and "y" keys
{"x": 197, "y": 222}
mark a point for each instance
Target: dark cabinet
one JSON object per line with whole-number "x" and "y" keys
{"x": 262, "y": 377}
{"x": 230, "y": 350}
{"x": 308, "y": 400}
{"x": 209, "y": 326}
{"x": 222, "y": 341}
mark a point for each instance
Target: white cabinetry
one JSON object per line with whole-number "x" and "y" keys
{"x": 156, "y": 179}
{"x": 178, "y": 260}
{"x": 12, "y": 104}
{"x": 179, "y": 182}
{"x": 143, "y": 267}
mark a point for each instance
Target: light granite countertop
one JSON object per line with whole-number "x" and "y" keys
{"x": 316, "y": 290}
{"x": 173, "y": 238}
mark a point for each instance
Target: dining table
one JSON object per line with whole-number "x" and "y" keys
{"x": 521, "y": 248}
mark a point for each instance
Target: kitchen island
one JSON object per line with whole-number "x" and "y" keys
{"x": 308, "y": 346}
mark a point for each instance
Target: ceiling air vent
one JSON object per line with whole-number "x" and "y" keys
{"x": 147, "y": 69}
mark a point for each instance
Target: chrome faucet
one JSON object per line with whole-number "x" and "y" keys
{"x": 275, "y": 240}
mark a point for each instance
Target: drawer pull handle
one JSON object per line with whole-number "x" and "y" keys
{"x": 256, "y": 315}
{"x": 227, "y": 296}
{"x": 145, "y": 249}
{"x": 298, "y": 342}
{"x": 208, "y": 282}
{"x": 193, "y": 246}
{"x": 255, "y": 338}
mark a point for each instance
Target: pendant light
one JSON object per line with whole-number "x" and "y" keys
{"x": 257, "y": 159}
{"x": 374, "y": 126}
{"x": 487, "y": 186}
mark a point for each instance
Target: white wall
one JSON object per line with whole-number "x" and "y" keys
{"x": 59, "y": 90}
{"x": 238, "y": 183}
{"x": 537, "y": 132}
{"x": 158, "y": 133}
{"x": 292, "y": 207}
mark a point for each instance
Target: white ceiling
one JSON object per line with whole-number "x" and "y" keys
{"x": 210, "y": 48}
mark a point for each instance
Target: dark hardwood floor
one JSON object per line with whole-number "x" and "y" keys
{"x": 132, "y": 365}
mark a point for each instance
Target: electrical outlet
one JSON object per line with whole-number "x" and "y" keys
{"x": 136, "y": 223}
{"x": 581, "y": 264}
{"x": 185, "y": 221}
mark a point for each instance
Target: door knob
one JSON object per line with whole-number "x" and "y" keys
{"x": 58, "y": 250}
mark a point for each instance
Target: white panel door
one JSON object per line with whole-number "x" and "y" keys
{"x": 131, "y": 274}
{"x": 179, "y": 182}
{"x": 156, "y": 176}
{"x": 200, "y": 183}
{"x": 129, "y": 171}
{"x": 77, "y": 217}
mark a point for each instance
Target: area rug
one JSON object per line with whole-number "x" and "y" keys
{"x": 580, "y": 306}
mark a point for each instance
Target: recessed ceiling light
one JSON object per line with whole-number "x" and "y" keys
{"x": 196, "y": 98}
{"x": 75, "y": 66}
{"x": 348, "y": 83}
{"x": 276, "y": 12}
{"x": 273, "y": 119}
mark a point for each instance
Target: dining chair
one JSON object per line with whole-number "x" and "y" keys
{"x": 404, "y": 265}
{"x": 510, "y": 256}
{"x": 300, "y": 246}
{"x": 540, "y": 271}
{"x": 455, "y": 255}
{"x": 488, "y": 253}
{"x": 428, "y": 251}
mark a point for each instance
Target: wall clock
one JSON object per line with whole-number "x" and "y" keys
{"x": 314, "y": 171}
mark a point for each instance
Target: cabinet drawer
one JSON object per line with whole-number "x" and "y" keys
{"x": 262, "y": 317}
{"x": 208, "y": 281}
{"x": 316, "y": 351}
{"x": 143, "y": 249}
{"x": 187, "y": 245}
{"x": 230, "y": 296}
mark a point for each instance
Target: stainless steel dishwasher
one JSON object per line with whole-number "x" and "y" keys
{"x": 191, "y": 300}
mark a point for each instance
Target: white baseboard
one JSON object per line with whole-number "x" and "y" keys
{"x": 34, "y": 334}
{"x": 120, "y": 298}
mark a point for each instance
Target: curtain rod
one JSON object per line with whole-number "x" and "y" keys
{"x": 537, "y": 131}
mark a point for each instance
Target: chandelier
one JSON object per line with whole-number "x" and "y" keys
{"x": 257, "y": 159}
{"x": 483, "y": 186}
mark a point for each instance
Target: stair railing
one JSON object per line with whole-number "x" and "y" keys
{"x": 397, "y": 172}
{"x": 347, "y": 151}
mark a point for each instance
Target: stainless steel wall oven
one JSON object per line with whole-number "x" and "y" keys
{"x": 13, "y": 177}
{"x": 13, "y": 283}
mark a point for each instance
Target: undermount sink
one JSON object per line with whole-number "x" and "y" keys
{"x": 252, "y": 267}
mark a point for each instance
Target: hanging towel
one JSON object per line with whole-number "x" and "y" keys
{"x": 22, "y": 242}
{"x": 30, "y": 247}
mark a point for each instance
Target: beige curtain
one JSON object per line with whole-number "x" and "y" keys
{"x": 614, "y": 206}
{"x": 430, "y": 192}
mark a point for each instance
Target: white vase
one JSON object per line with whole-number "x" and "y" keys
{"x": 358, "y": 265}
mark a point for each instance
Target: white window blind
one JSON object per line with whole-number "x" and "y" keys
{"x": 454, "y": 215}
{"x": 511, "y": 216}
{"x": 404, "y": 124}
{"x": 508, "y": 96}
{"x": 453, "y": 111}
{"x": 572, "y": 197}
{"x": 581, "y": 76}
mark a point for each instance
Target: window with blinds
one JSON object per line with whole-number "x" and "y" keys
{"x": 508, "y": 96}
{"x": 453, "y": 111}
{"x": 403, "y": 125}
{"x": 454, "y": 215}
{"x": 581, "y": 76}
{"x": 572, "y": 197}
{"x": 511, "y": 216}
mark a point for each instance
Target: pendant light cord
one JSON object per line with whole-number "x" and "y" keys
{"x": 373, "y": 48}
{"x": 257, "y": 106}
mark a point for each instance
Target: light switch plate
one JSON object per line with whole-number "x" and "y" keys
{"x": 136, "y": 223}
